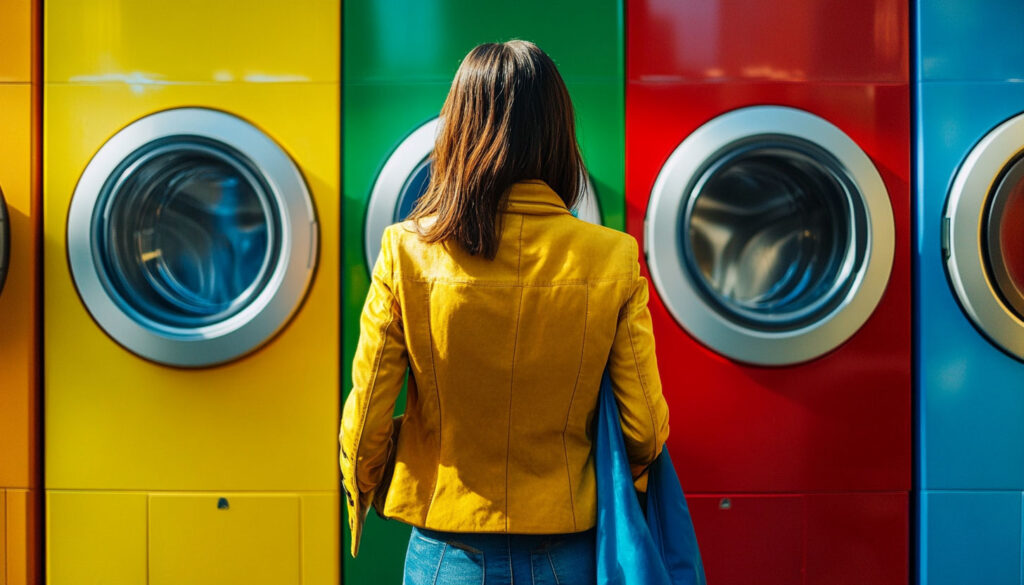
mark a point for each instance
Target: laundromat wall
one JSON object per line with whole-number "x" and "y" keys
{"x": 829, "y": 198}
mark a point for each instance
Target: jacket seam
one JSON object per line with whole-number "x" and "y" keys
{"x": 572, "y": 399}
{"x": 437, "y": 393}
{"x": 512, "y": 372}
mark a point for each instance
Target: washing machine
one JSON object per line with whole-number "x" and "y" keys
{"x": 767, "y": 175}
{"x": 399, "y": 62}
{"x": 969, "y": 293}
{"x": 191, "y": 236}
{"x": 20, "y": 459}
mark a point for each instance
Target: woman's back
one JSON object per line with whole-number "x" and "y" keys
{"x": 506, "y": 356}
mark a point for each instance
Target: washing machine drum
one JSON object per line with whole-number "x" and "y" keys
{"x": 404, "y": 179}
{"x": 5, "y": 241}
{"x": 983, "y": 236}
{"x": 191, "y": 237}
{"x": 770, "y": 235}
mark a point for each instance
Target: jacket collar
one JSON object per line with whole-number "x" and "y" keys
{"x": 534, "y": 197}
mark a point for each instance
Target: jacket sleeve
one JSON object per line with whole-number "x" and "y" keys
{"x": 378, "y": 371}
{"x": 633, "y": 368}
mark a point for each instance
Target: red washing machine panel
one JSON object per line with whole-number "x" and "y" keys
{"x": 816, "y": 539}
{"x": 837, "y": 423}
{"x": 791, "y": 40}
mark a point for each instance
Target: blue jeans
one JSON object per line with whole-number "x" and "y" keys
{"x": 444, "y": 558}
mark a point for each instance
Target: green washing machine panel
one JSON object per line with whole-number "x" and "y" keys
{"x": 399, "y": 58}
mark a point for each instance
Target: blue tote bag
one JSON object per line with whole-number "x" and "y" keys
{"x": 660, "y": 549}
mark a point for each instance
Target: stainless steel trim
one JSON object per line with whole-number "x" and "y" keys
{"x": 268, "y": 312}
{"x": 387, "y": 189}
{"x": 680, "y": 293}
{"x": 965, "y": 212}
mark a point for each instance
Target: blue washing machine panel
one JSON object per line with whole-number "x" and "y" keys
{"x": 970, "y": 40}
{"x": 974, "y": 537}
{"x": 970, "y": 392}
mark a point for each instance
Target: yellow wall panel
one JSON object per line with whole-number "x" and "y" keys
{"x": 321, "y": 537}
{"x": 96, "y": 538}
{"x": 213, "y": 539}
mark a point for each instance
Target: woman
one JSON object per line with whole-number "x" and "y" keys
{"x": 505, "y": 310}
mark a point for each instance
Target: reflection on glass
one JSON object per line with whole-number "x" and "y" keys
{"x": 413, "y": 189}
{"x": 187, "y": 235}
{"x": 1004, "y": 252}
{"x": 773, "y": 234}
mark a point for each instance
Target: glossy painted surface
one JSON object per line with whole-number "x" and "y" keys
{"x": 969, "y": 400}
{"x": 399, "y": 60}
{"x": 970, "y": 534}
{"x": 784, "y": 40}
{"x": 838, "y": 427}
{"x": 20, "y": 398}
{"x": 855, "y": 434}
{"x": 961, "y": 40}
{"x": 192, "y": 41}
{"x": 17, "y": 41}
{"x": 120, "y": 427}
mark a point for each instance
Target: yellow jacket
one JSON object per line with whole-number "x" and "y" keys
{"x": 505, "y": 359}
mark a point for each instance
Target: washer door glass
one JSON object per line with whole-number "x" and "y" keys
{"x": 413, "y": 189}
{"x": 769, "y": 235}
{"x": 191, "y": 237}
{"x": 187, "y": 232}
{"x": 773, "y": 232}
{"x": 1004, "y": 238}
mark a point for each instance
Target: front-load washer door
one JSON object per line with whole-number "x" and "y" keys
{"x": 5, "y": 240}
{"x": 983, "y": 236}
{"x": 769, "y": 235}
{"x": 192, "y": 238}
{"x": 404, "y": 179}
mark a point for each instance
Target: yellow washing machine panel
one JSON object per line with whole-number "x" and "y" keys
{"x": 234, "y": 459}
{"x": 192, "y": 41}
{"x": 113, "y": 419}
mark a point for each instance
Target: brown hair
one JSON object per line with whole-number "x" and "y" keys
{"x": 508, "y": 117}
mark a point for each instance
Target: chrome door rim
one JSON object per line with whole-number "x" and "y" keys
{"x": 267, "y": 313}
{"x": 964, "y": 219}
{"x": 406, "y": 158}
{"x": 681, "y": 295}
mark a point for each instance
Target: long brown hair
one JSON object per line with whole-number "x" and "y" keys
{"x": 508, "y": 117}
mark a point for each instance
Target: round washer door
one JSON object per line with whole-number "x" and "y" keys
{"x": 769, "y": 235}
{"x": 404, "y": 179}
{"x": 192, "y": 237}
{"x": 5, "y": 240}
{"x": 983, "y": 236}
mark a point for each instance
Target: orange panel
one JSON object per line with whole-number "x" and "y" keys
{"x": 18, "y": 399}
{"x": 16, "y": 38}
{"x": 3, "y": 538}
{"x": 22, "y": 542}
